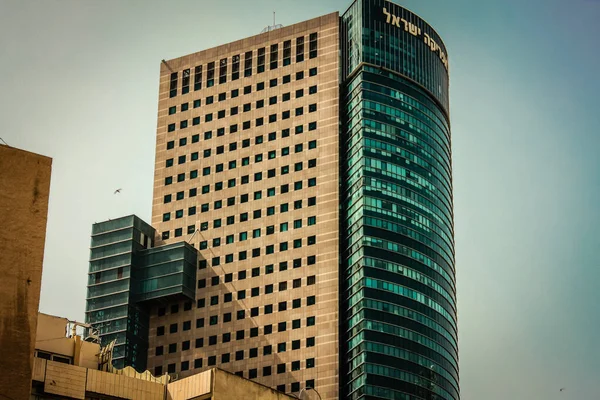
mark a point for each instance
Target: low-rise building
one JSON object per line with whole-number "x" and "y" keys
{"x": 67, "y": 366}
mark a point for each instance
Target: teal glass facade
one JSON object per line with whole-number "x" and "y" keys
{"x": 125, "y": 274}
{"x": 399, "y": 295}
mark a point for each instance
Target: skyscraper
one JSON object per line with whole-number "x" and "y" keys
{"x": 398, "y": 296}
{"x": 247, "y": 170}
{"x": 310, "y": 166}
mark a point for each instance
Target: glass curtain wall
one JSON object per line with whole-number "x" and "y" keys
{"x": 398, "y": 292}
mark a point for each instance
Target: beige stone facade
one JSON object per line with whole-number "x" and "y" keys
{"x": 54, "y": 380}
{"x": 24, "y": 191}
{"x": 266, "y": 145}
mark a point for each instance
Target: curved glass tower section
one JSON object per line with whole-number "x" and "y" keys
{"x": 399, "y": 297}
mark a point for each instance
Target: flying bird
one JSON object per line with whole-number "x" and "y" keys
{"x": 118, "y": 191}
{"x": 562, "y": 389}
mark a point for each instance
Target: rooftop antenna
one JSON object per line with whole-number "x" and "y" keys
{"x": 272, "y": 27}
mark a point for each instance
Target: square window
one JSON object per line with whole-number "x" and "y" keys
{"x": 281, "y": 347}
{"x": 295, "y": 344}
{"x": 268, "y": 329}
{"x": 296, "y": 324}
{"x": 295, "y": 365}
{"x": 280, "y": 368}
{"x": 310, "y": 342}
{"x": 267, "y": 371}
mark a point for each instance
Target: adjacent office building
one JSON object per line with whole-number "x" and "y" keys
{"x": 310, "y": 167}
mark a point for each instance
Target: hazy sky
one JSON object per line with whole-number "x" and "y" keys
{"x": 79, "y": 83}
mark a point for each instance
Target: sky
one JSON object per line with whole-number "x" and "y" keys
{"x": 79, "y": 83}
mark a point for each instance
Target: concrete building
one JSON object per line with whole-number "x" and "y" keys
{"x": 310, "y": 166}
{"x": 24, "y": 191}
{"x": 67, "y": 367}
{"x": 247, "y": 170}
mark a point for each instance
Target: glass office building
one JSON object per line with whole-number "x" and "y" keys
{"x": 398, "y": 294}
{"x": 127, "y": 274}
